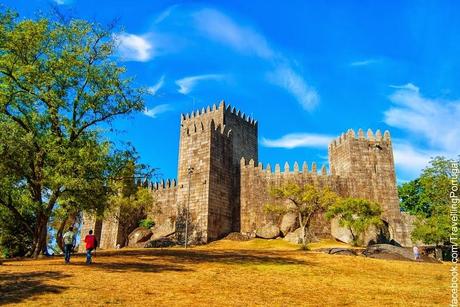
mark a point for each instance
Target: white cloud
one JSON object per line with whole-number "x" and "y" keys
{"x": 295, "y": 140}
{"x": 431, "y": 119}
{"x": 60, "y": 2}
{"x": 188, "y": 83}
{"x": 154, "y": 89}
{"x": 287, "y": 78}
{"x": 223, "y": 29}
{"x": 155, "y": 111}
{"x": 411, "y": 160}
{"x": 134, "y": 47}
{"x": 364, "y": 62}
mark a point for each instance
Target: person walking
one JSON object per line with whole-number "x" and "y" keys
{"x": 91, "y": 244}
{"x": 69, "y": 243}
{"x": 416, "y": 253}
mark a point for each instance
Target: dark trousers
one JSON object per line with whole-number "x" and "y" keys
{"x": 89, "y": 256}
{"x": 67, "y": 252}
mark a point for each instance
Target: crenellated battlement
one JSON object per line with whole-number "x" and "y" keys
{"x": 250, "y": 166}
{"x": 164, "y": 185}
{"x": 370, "y": 137}
{"x": 236, "y": 112}
{"x": 159, "y": 185}
{"x": 200, "y": 127}
{"x": 216, "y": 113}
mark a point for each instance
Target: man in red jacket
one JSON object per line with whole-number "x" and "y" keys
{"x": 91, "y": 244}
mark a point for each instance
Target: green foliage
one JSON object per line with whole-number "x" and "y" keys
{"x": 433, "y": 230}
{"x": 305, "y": 201}
{"x": 130, "y": 205}
{"x": 146, "y": 223}
{"x": 430, "y": 191}
{"x": 58, "y": 82}
{"x": 428, "y": 198}
{"x": 357, "y": 215}
{"x": 15, "y": 241}
{"x": 413, "y": 198}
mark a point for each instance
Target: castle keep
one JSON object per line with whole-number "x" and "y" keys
{"x": 225, "y": 187}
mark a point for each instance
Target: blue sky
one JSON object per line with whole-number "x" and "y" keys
{"x": 306, "y": 70}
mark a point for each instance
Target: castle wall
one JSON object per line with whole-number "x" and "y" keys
{"x": 220, "y": 205}
{"x": 224, "y": 194}
{"x": 193, "y": 192}
{"x": 256, "y": 183}
{"x": 90, "y": 222}
{"x": 111, "y": 234}
{"x": 369, "y": 162}
{"x": 165, "y": 197}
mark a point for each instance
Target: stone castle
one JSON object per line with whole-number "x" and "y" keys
{"x": 225, "y": 187}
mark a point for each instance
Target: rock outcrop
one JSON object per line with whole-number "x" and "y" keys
{"x": 289, "y": 223}
{"x": 294, "y": 237}
{"x": 166, "y": 229}
{"x": 268, "y": 231}
{"x": 139, "y": 235}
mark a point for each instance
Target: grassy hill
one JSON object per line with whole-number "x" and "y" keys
{"x": 224, "y": 273}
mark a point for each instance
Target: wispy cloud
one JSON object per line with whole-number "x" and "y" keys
{"x": 244, "y": 39}
{"x": 410, "y": 159}
{"x": 133, "y": 47}
{"x": 287, "y": 78}
{"x": 432, "y": 119}
{"x": 364, "y": 62}
{"x": 60, "y": 2}
{"x": 165, "y": 14}
{"x": 188, "y": 83}
{"x": 155, "y": 111}
{"x": 295, "y": 140}
{"x": 220, "y": 27}
{"x": 154, "y": 89}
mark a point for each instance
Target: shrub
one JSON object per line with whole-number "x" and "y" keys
{"x": 146, "y": 223}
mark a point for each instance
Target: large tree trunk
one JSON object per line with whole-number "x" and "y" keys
{"x": 40, "y": 235}
{"x": 72, "y": 217}
{"x": 60, "y": 232}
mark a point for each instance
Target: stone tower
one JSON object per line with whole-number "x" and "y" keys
{"x": 212, "y": 142}
{"x": 368, "y": 164}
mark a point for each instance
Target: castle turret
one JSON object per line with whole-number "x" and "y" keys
{"x": 367, "y": 162}
{"x": 212, "y": 142}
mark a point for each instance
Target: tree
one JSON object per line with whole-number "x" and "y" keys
{"x": 357, "y": 215}
{"x": 58, "y": 83}
{"x": 421, "y": 195}
{"x": 304, "y": 200}
{"x": 131, "y": 202}
{"x": 428, "y": 198}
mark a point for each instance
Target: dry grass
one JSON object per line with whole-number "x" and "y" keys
{"x": 225, "y": 273}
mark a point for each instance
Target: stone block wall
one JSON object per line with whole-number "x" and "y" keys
{"x": 257, "y": 181}
{"x": 111, "y": 234}
{"x": 165, "y": 196}
{"x": 220, "y": 205}
{"x": 90, "y": 222}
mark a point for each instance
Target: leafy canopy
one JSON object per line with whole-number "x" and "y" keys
{"x": 58, "y": 83}
{"x": 428, "y": 198}
{"x": 304, "y": 200}
{"x": 356, "y": 214}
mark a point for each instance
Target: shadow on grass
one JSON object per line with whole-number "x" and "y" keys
{"x": 147, "y": 267}
{"x": 213, "y": 256}
{"x": 16, "y": 287}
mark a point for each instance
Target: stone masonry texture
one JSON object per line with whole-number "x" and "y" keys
{"x": 224, "y": 187}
